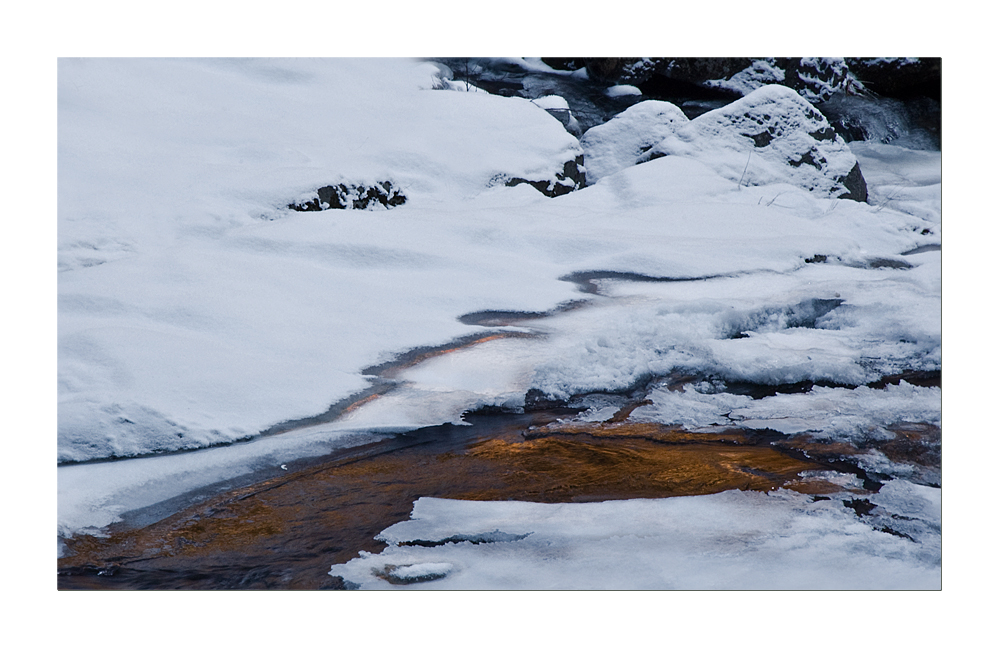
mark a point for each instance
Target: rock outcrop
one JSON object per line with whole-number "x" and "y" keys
{"x": 351, "y": 197}
{"x": 573, "y": 176}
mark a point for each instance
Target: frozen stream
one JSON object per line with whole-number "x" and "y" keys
{"x": 212, "y": 340}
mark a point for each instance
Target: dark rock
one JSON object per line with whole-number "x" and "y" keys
{"x": 923, "y": 378}
{"x": 573, "y": 176}
{"x": 357, "y": 197}
{"x": 826, "y": 133}
{"x": 700, "y": 70}
{"x": 900, "y": 78}
{"x": 860, "y": 506}
{"x": 563, "y": 63}
{"x": 535, "y": 400}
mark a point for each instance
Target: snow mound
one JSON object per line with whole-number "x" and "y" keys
{"x": 772, "y": 135}
{"x": 617, "y": 144}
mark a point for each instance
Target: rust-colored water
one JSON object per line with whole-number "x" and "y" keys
{"x": 284, "y": 533}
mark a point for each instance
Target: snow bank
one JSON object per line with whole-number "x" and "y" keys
{"x": 730, "y": 540}
{"x": 195, "y": 309}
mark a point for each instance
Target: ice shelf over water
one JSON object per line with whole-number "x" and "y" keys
{"x": 730, "y": 540}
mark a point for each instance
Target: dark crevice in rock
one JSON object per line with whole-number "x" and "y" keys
{"x": 807, "y": 158}
{"x": 860, "y": 506}
{"x": 757, "y": 391}
{"x": 825, "y": 133}
{"x": 921, "y": 378}
{"x": 889, "y": 530}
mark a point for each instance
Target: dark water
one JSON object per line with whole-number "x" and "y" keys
{"x": 913, "y": 122}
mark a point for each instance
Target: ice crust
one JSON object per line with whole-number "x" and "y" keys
{"x": 194, "y": 309}
{"x": 729, "y": 540}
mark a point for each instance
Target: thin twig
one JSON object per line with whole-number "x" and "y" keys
{"x": 740, "y": 184}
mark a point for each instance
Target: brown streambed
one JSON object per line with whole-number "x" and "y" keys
{"x": 286, "y": 531}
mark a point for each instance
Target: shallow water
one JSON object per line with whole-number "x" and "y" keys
{"x": 285, "y": 531}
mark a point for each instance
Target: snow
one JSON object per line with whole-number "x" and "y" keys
{"x": 618, "y": 143}
{"x": 731, "y": 540}
{"x": 622, "y": 91}
{"x": 196, "y": 310}
{"x": 760, "y": 73}
{"x": 551, "y": 102}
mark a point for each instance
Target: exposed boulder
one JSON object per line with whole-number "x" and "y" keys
{"x": 772, "y": 135}
{"x": 573, "y": 176}
{"x": 351, "y": 197}
{"x": 619, "y": 143}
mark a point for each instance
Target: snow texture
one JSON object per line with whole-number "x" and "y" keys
{"x": 618, "y": 143}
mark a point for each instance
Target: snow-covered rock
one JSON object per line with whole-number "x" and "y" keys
{"x": 619, "y": 143}
{"x": 772, "y": 135}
